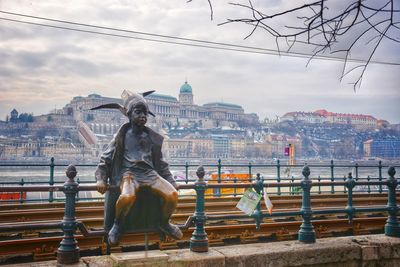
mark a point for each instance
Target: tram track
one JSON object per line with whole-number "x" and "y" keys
{"x": 44, "y": 248}
{"x": 28, "y": 212}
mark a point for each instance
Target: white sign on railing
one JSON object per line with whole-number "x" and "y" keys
{"x": 249, "y": 201}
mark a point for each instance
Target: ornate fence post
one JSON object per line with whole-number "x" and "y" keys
{"x": 257, "y": 214}
{"x": 380, "y": 175}
{"x": 68, "y": 251}
{"x": 392, "y": 227}
{"x": 234, "y": 189}
{"x": 306, "y": 233}
{"x": 350, "y": 183}
{"x": 250, "y": 175}
{"x": 356, "y": 171}
{"x": 219, "y": 177}
{"x": 278, "y": 174}
{"x": 51, "y": 180}
{"x": 319, "y": 186}
{"x": 292, "y": 189}
{"x": 199, "y": 240}
{"x": 186, "y": 172}
{"x": 332, "y": 177}
{"x": 77, "y": 192}
{"x": 21, "y": 194}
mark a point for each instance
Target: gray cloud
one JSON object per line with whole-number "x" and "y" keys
{"x": 50, "y": 66}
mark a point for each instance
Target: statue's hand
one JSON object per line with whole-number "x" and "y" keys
{"x": 101, "y": 187}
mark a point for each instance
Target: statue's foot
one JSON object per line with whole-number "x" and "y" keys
{"x": 172, "y": 230}
{"x": 114, "y": 234}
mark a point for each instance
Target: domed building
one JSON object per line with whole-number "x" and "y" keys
{"x": 215, "y": 114}
{"x": 188, "y": 110}
{"x": 168, "y": 110}
{"x": 186, "y": 94}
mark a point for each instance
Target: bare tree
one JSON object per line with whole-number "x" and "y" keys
{"x": 340, "y": 28}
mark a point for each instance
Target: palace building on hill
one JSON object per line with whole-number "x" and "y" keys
{"x": 359, "y": 121}
{"x": 169, "y": 111}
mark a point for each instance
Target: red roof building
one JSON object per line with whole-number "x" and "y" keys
{"x": 359, "y": 121}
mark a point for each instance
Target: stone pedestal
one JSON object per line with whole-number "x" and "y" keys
{"x": 140, "y": 258}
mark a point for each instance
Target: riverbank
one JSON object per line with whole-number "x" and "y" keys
{"x": 208, "y": 161}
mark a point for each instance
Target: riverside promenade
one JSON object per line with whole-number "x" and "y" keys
{"x": 351, "y": 251}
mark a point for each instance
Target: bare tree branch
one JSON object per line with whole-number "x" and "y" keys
{"x": 211, "y": 8}
{"x": 325, "y": 28}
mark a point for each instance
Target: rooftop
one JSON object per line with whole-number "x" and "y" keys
{"x": 186, "y": 88}
{"x": 161, "y": 96}
{"x": 221, "y": 104}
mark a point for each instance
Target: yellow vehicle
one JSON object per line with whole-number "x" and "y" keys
{"x": 227, "y": 177}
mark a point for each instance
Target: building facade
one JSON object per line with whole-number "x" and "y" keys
{"x": 169, "y": 111}
{"x": 359, "y": 121}
{"x": 385, "y": 149}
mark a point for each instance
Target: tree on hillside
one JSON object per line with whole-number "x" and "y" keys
{"x": 350, "y": 30}
{"x": 25, "y": 117}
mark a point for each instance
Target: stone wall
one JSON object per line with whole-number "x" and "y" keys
{"x": 353, "y": 251}
{"x": 371, "y": 250}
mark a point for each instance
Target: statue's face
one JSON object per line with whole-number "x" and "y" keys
{"x": 139, "y": 115}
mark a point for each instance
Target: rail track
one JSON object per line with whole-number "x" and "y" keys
{"x": 28, "y": 212}
{"x": 42, "y": 244}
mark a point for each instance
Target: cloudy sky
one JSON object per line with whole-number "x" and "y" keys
{"x": 42, "y": 68}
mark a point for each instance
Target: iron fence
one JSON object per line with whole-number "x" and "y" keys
{"x": 279, "y": 170}
{"x": 68, "y": 251}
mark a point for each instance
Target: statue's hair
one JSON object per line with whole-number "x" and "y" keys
{"x": 132, "y": 106}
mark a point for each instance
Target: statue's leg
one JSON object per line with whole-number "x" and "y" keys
{"x": 168, "y": 193}
{"x": 124, "y": 203}
{"x": 127, "y": 198}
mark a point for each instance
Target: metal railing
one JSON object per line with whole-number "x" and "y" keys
{"x": 68, "y": 251}
{"x": 218, "y": 168}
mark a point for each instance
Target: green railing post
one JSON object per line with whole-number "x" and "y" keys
{"x": 257, "y": 214}
{"x": 77, "y": 192}
{"x": 21, "y": 194}
{"x": 234, "y": 188}
{"x": 356, "y": 167}
{"x": 369, "y": 186}
{"x": 319, "y": 186}
{"x": 186, "y": 172}
{"x": 392, "y": 227}
{"x": 380, "y": 175}
{"x": 350, "y": 183}
{"x": 306, "y": 233}
{"x": 219, "y": 177}
{"x": 278, "y": 175}
{"x": 332, "y": 177}
{"x": 199, "y": 240}
{"x": 250, "y": 175}
{"x": 292, "y": 187}
{"x": 68, "y": 251}
{"x": 51, "y": 180}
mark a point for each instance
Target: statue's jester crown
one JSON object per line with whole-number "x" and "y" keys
{"x": 129, "y": 102}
